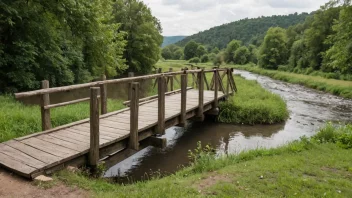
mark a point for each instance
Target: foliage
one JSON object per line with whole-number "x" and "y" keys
{"x": 194, "y": 60}
{"x": 219, "y": 59}
{"x": 253, "y": 56}
{"x": 166, "y": 53}
{"x": 168, "y": 40}
{"x": 143, "y": 34}
{"x": 65, "y": 42}
{"x": 340, "y": 135}
{"x": 242, "y": 55}
{"x": 205, "y": 58}
{"x": 273, "y": 51}
{"x": 253, "y": 104}
{"x": 249, "y": 31}
{"x": 231, "y": 49}
{"x": 201, "y": 51}
{"x": 190, "y": 50}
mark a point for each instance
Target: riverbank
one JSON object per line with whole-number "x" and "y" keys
{"x": 316, "y": 167}
{"x": 337, "y": 87}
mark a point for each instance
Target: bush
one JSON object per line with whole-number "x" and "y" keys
{"x": 194, "y": 60}
{"x": 340, "y": 135}
{"x": 205, "y": 58}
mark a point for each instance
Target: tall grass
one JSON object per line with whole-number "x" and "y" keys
{"x": 252, "y": 104}
{"x": 336, "y": 87}
{"x": 18, "y": 120}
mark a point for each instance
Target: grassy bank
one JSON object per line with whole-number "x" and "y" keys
{"x": 18, "y": 120}
{"x": 315, "y": 167}
{"x": 336, "y": 87}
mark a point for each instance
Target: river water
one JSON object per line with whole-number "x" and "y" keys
{"x": 309, "y": 110}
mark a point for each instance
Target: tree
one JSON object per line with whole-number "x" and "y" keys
{"x": 231, "y": 49}
{"x": 178, "y": 54}
{"x": 298, "y": 55}
{"x": 215, "y": 50}
{"x": 166, "y": 53}
{"x": 273, "y": 52}
{"x": 253, "y": 57}
{"x": 64, "y": 42}
{"x": 194, "y": 60}
{"x": 219, "y": 59}
{"x": 205, "y": 58}
{"x": 201, "y": 51}
{"x": 339, "y": 56}
{"x": 143, "y": 34}
{"x": 241, "y": 56}
{"x": 190, "y": 50}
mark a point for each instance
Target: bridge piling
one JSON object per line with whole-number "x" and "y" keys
{"x": 134, "y": 108}
{"x": 161, "y": 106}
{"x": 94, "y": 127}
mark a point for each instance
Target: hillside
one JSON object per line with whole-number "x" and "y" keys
{"x": 243, "y": 30}
{"x": 168, "y": 40}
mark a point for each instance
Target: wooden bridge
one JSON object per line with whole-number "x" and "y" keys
{"x": 121, "y": 133}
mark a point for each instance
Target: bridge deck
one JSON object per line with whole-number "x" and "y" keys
{"x": 34, "y": 154}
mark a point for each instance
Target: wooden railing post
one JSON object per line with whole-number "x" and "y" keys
{"x": 94, "y": 127}
{"x": 130, "y": 74}
{"x": 45, "y": 100}
{"x": 171, "y": 80}
{"x": 134, "y": 107}
{"x": 228, "y": 81}
{"x": 161, "y": 106}
{"x": 200, "y": 113}
{"x": 103, "y": 96}
{"x": 183, "y": 99}
{"x": 216, "y": 89}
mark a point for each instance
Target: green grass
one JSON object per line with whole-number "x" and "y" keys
{"x": 303, "y": 168}
{"x": 336, "y": 87}
{"x": 17, "y": 120}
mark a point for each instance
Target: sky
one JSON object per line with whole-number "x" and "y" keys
{"x": 187, "y": 17}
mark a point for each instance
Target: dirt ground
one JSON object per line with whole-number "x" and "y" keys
{"x": 14, "y": 186}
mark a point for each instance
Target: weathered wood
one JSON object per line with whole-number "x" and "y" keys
{"x": 133, "y": 141}
{"x": 66, "y": 103}
{"x": 94, "y": 128}
{"x": 221, "y": 84}
{"x": 216, "y": 89}
{"x": 161, "y": 106}
{"x": 171, "y": 80}
{"x": 130, "y": 74}
{"x": 206, "y": 81}
{"x": 200, "y": 112}
{"x": 103, "y": 96}
{"x": 45, "y": 113}
{"x": 184, "y": 78}
{"x": 228, "y": 82}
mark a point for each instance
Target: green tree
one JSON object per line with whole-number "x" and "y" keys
{"x": 190, "y": 50}
{"x": 298, "y": 55}
{"x": 143, "y": 34}
{"x": 253, "y": 57}
{"x": 339, "y": 56}
{"x": 273, "y": 52}
{"x": 215, "y": 50}
{"x": 241, "y": 56}
{"x": 166, "y": 53}
{"x": 231, "y": 49}
{"x": 178, "y": 54}
{"x": 205, "y": 58}
{"x": 194, "y": 60}
{"x": 201, "y": 51}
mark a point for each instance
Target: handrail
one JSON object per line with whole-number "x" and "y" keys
{"x": 92, "y": 84}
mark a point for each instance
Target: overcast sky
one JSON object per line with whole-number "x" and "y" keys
{"x": 187, "y": 17}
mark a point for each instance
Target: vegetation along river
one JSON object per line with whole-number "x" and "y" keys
{"x": 309, "y": 110}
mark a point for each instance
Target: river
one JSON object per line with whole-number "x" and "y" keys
{"x": 309, "y": 110}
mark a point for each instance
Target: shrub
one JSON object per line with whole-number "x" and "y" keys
{"x": 194, "y": 60}
{"x": 205, "y": 58}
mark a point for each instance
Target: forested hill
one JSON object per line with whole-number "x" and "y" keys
{"x": 168, "y": 40}
{"x": 244, "y": 30}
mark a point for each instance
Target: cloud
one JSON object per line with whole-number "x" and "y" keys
{"x": 187, "y": 17}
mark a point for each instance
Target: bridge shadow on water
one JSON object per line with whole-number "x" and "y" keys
{"x": 225, "y": 138}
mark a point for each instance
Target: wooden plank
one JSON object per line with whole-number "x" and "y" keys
{"x": 16, "y": 166}
{"x": 86, "y": 132}
{"x": 70, "y": 145}
{"x": 68, "y": 139}
{"x": 51, "y": 148}
{"x": 105, "y": 131}
{"x": 21, "y": 157}
{"x": 45, "y": 113}
{"x": 33, "y": 152}
{"x": 133, "y": 140}
{"x": 69, "y": 134}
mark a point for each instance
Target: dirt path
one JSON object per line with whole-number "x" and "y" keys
{"x": 14, "y": 186}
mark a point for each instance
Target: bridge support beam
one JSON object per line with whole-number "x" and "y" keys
{"x": 94, "y": 128}
{"x": 183, "y": 119}
{"x": 160, "y": 128}
{"x": 200, "y": 112}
